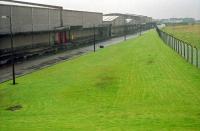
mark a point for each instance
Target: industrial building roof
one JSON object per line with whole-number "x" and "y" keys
{"x": 129, "y": 20}
{"x": 22, "y": 4}
{"x": 127, "y": 15}
{"x": 109, "y": 18}
{"x": 37, "y": 5}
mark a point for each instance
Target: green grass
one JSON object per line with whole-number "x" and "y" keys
{"x": 188, "y": 33}
{"x": 140, "y": 84}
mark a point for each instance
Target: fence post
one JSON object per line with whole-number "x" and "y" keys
{"x": 94, "y": 38}
{"x": 167, "y": 40}
{"x": 173, "y": 43}
{"x": 125, "y": 30}
{"x": 197, "y": 57}
{"x": 181, "y": 48}
{"x": 192, "y": 55}
{"x": 184, "y": 49}
{"x": 188, "y": 55}
{"x": 177, "y": 46}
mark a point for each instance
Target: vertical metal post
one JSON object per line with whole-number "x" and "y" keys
{"x": 197, "y": 58}
{"x": 173, "y": 42}
{"x": 184, "y": 49}
{"x": 178, "y": 46}
{"x": 32, "y": 27}
{"x": 12, "y": 48}
{"x": 124, "y": 28}
{"x": 188, "y": 52}
{"x": 49, "y": 27}
{"x": 69, "y": 35}
{"x": 110, "y": 30}
{"x": 181, "y": 48}
{"x": 167, "y": 40}
{"x": 94, "y": 39}
{"x": 124, "y": 32}
{"x": 192, "y": 55}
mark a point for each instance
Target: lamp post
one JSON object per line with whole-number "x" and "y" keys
{"x": 94, "y": 37}
{"x": 124, "y": 28}
{"x": 12, "y": 49}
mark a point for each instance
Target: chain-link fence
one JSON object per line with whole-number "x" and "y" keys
{"x": 186, "y": 50}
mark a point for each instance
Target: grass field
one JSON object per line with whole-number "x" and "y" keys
{"x": 188, "y": 33}
{"x": 140, "y": 84}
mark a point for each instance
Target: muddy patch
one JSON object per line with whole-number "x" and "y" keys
{"x": 150, "y": 62}
{"x": 105, "y": 82}
{"x": 14, "y": 108}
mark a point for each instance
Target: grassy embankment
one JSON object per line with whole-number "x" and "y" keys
{"x": 139, "y": 84}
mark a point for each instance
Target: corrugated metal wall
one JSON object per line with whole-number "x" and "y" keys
{"x": 34, "y": 19}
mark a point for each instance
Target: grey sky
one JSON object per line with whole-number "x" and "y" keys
{"x": 153, "y": 8}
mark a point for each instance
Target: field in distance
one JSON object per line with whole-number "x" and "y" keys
{"x": 188, "y": 33}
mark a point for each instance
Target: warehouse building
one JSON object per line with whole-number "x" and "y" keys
{"x": 35, "y": 24}
{"x": 117, "y": 19}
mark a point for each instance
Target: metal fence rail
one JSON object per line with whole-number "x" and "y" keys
{"x": 184, "y": 49}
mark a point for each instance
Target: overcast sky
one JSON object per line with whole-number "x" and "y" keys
{"x": 153, "y": 8}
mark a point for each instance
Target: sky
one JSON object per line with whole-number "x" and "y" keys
{"x": 158, "y": 9}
